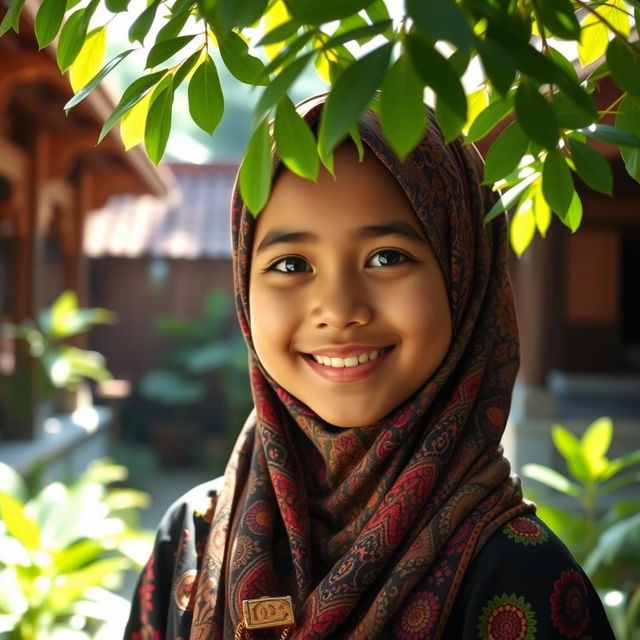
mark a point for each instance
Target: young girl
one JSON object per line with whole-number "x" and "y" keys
{"x": 367, "y": 495}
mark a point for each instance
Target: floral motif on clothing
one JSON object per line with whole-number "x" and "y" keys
{"x": 507, "y": 617}
{"x": 525, "y": 531}
{"x": 569, "y": 610}
{"x": 418, "y": 617}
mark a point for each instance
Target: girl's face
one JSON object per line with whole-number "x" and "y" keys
{"x": 349, "y": 311}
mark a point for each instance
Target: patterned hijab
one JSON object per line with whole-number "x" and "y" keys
{"x": 372, "y": 534}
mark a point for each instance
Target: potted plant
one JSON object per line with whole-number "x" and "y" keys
{"x": 199, "y": 347}
{"x": 54, "y": 369}
{"x": 602, "y": 533}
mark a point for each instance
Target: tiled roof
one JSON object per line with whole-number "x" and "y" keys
{"x": 194, "y": 223}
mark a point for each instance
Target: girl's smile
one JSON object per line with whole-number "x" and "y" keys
{"x": 349, "y": 310}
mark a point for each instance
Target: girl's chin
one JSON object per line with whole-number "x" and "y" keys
{"x": 342, "y": 421}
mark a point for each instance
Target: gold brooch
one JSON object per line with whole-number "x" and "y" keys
{"x": 266, "y": 613}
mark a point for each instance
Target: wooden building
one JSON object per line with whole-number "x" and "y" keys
{"x": 52, "y": 174}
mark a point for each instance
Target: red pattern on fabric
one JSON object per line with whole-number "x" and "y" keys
{"x": 569, "y": 610}
{"x": 419, "y": 617}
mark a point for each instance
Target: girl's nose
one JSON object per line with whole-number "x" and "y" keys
{"x": 340, "y": 302}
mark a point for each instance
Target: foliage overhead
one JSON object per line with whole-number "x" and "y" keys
{"x": 535, "y": 61}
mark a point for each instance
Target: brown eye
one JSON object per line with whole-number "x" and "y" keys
{"x": 387, "y": 258}
{"x": 291, "y": 264}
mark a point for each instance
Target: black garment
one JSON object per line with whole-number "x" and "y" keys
{"x": 523, "y": 585}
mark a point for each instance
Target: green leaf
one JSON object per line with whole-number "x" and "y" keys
{"x": 624, "y": 62}
{"x": 133, "y": 123}
{"x": 95, "y": 81}
{"x": 488, "y": 118}
{"x": 551, "y": 478}
{"x": 522, "y": 226}
{"x": 255, "y": 171}
{"x": 573, "y": 217}
{"x": 11, "y": 19}
{"x": 174, "y": 25}
{"x": 141, "y": 25}
{"x": 564, "y": 441}
{"x": 12, "y": 483}
{"x": 206, "y": 101}
{"x": 366, "y": 32}
{"x": 438, "y": 73}
{"x": 595, "y": 444}
{"x": 620, "y": 464}
{"x": 563, "y": 63}
{"x": 48, "y": 21}
{"x": 497, "y": 66}
{"x": 505, "y": 153}
{"x": 69, "y": 588}
{"x": 279, "y": 86}
{"x": 541, "y": 210}
{"x": 185, "y": 67}
{"x": 442, "y": 20}
{"x": 568, "y": 115}
{"x": 88, "y": 62}
{"x": 320, "y": 11}
{"x": 592, "y": 167}
{"x": 164, "y": 49}
{"x": 593, "y": 40}
{"x": 569, "y": 447}
{"x": 117, "y": 6}
{"x": 628, "y": 117}
{"x": 612, "y": 135}
{"x": 558, "y": 16}
{"x": 403, "y": 115}
{"x": 73, "y": 35}
{"x": 377, "y": 11}
{"x": 132, "y": 95}
{"x": 18, "y": 523}
{"x": 509, "y": 197}
{"x": 235, "y": 55}
{"x": 287, "y": 52}
{"x": 280, "y": 33}
{"x": 557, "y": 185}
{"x": 240, "y": 13}
{"x": 349, "y": 96}
{"x": 158, "y": 127}
{"x": 294, "y": 141}
{"x": 536, "y": 116}
{"x": 450, "y": 123}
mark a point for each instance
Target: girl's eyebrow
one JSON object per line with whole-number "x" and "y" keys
{"x": 399, "y": 228}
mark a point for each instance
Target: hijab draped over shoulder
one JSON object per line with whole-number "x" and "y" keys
{"x": 370, "y": 530}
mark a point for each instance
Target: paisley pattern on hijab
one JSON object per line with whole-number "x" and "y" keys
{"x": 359, "y": 531}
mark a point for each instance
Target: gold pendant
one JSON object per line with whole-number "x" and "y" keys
{"x": 267, "y": 612}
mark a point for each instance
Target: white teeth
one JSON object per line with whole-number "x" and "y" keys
{"x": 351, "y": 361}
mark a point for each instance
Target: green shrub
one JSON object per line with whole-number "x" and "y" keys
{"x": 602, "y": 532}
{"x": 63, "y": 551}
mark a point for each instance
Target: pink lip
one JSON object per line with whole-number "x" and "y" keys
{"x": 346, "y": 374}
{"x": 345, "y": 351}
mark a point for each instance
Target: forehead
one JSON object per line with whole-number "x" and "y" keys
{"x": 360, "y": 193}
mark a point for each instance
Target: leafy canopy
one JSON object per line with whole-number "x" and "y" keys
{"x": 537, "y": 63}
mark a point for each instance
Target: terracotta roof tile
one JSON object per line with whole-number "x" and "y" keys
{"x": 194, "y": 223}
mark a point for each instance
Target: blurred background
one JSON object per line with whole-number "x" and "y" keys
{"x": 119, "y": 342}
